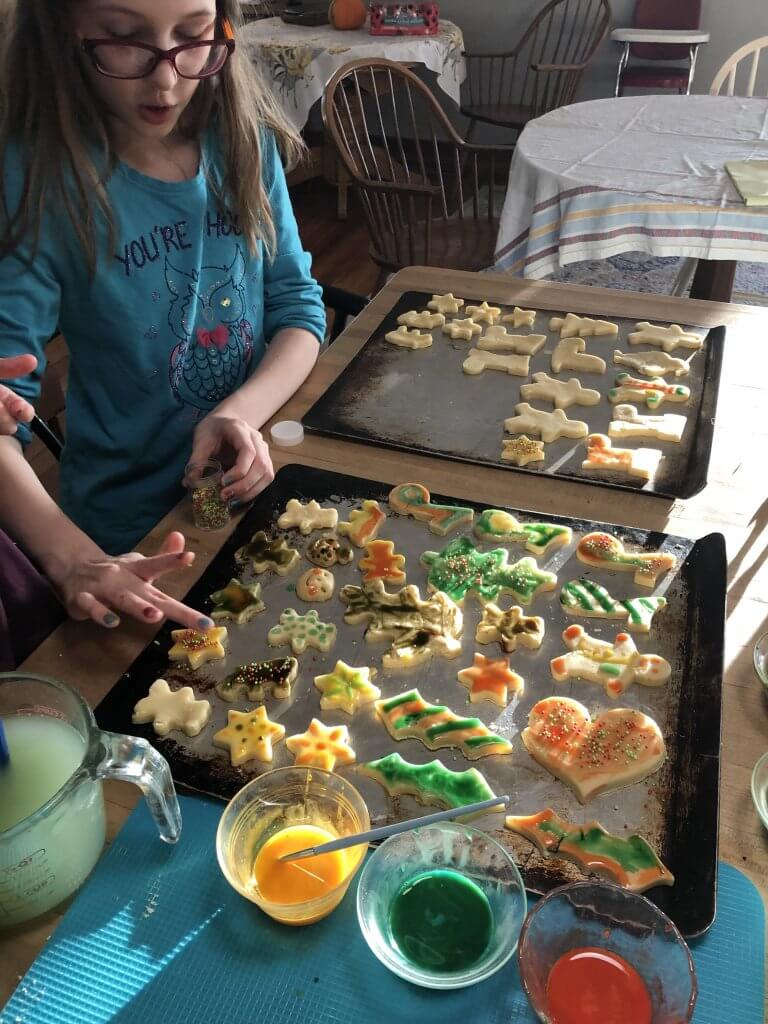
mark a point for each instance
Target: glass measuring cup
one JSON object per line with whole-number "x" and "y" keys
{"x": 52, "y": 820}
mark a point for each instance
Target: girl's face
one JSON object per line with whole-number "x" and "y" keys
{"x": 151, "y": 106}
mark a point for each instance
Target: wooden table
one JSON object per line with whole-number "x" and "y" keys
{"x": 735, "y": 502}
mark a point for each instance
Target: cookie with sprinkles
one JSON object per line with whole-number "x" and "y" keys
{"x": 603, "y": 551}
{"x": 254, "y": 679}
{"x": 198, "y": 646}
{"x": 461, "y": 569}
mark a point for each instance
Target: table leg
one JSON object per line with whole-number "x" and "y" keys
{"x": 714, "y": 280}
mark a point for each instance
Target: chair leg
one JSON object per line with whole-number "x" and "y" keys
{"x": 714, "y": 280}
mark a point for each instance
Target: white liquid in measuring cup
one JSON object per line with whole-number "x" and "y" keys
{"x": 41, "y": 864}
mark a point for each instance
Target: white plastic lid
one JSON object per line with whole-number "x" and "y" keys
{"x": 287, "y": 433}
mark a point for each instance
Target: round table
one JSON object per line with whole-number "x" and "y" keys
{"x": 298, "y": 61}
{"x": 595, "y": 179}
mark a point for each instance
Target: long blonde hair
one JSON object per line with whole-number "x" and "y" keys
{"x": 46, "y": 104}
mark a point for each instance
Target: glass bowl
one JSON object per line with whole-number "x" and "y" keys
{"x": 760, "y": 788}
{"x": 445, "y": 845}
{"x": 277, "y": 800}
{"x": 760, "y": 659}
{"x": 609, "y": 917}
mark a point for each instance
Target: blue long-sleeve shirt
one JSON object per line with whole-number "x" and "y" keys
{"x": 174, "y": 321}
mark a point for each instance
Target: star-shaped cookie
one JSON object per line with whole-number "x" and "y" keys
{"x": 346, "y": 688}
{"x": 483, "y": 313}
{"x": 445, "y": 304}
{"x": 522, "y": 450}
{"x": 491, "y": 679}
{"x": 249, "y": 735}
{"x": 321, "y": 746}
{"x": 463, "y": 330}
{"x": 237, "y": 601}
{"x": 197, "y": 646}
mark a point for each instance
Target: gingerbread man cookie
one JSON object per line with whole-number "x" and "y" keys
{"x": 483, "y": 314}
{"x": 445, "y": 304}
{"x": 478, "y": 361}
{"x": 667, "y": 338}
{"x": 251, "y": 680}
{"x": 561, "y": 393}
{"x": 381, "y": 562}
{"x": 346, "y": 688}
{"x": 653, "y": 364}
{"x": 491, "y": 679}
{"x": 321, "y": 746}
{"x": 569, "y": 354}
{"x": 307, "y": 517}
{"x": 511, "y": 628}
{"x": 520, "y": 317}
{"x": 424, "y": 319}
{"x": 315, "y": 584}
{"x": 364, "y": 523}
{"x": 264, "y": 554}
{"x": 237, "y": 601}
{"x": 462, "y": 330}
{"x": 603, "y": 551}
{"x": 302, "y": 631}
{"x": 169, "y": 709}
{"x": 497, "y": 339}
{"x": 197, "y": 646}
{"x": 522, "y": 450}
{"x": 549, "y": 425}
{"x": 574, "y": 326}
{"x": 249, "y": 735}
{"x": 652, "y": 392}
{"x": 616, "y": 665}
{"x": 405, "y": 337}
{"x": 628, "y": 422}
{"x": 603, "y": 457}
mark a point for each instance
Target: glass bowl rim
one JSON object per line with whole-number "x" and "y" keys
{"x": 554, "y": 894}
{"x": 761, "y": 674}
{"x": 420, "y": 976}
{"x": 759, "y": 764}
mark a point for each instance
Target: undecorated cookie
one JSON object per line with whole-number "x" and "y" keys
{"x": 628, "y": 422}
{"x": 497, "y": 339}
{"x": 561, "y": 393}
{"x": 477, "y": 361}
{"x": 307, "y": 517}
{"x": 462, "y": 330}
{"x": 424, "y": 319}
{"x": 668, "y": 338}
{"x": 569, "y": 354}
{"x": 654, "y": 364}
{"x": 445, "y": 304}
{"x": 483, "y": 313}
{"x": 520, "y": 317}
{"x": 169, "y": 709}
{"x": 404, "y": 337}
{"x": 574, "y": 326}
{"x": 549, "y": 425}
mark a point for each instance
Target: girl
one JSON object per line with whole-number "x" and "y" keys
{"x": 145, "y": 212}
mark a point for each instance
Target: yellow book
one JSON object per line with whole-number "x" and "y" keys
{"x": 751, "y": 180}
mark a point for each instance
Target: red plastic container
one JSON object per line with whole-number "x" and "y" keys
{"x": 404, "y": 19}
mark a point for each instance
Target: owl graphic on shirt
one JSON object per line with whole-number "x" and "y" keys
{"x": 207, "y": 315}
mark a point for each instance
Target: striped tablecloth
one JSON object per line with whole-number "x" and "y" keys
{"x": 600, "y": 178}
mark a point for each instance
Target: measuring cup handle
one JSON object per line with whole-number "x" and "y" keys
{"x": 131, "y": 759}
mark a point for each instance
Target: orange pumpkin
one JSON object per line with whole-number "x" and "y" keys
{"x": 347, "y": 14}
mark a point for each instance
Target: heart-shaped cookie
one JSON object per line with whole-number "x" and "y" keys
{"x": 592, "y": 756}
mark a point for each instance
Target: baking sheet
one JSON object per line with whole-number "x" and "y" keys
{"x": 676, "y": 809}
{"x": 422, "y": 401}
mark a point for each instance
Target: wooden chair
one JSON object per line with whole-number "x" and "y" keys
{"x": 542, "y": 71}
{"x": 739, "y": 77}
{"x": 428, "y": 197}
{"x": 653, "y": 19}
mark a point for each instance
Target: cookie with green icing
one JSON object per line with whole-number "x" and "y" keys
{"x": 254, "y": 679}
{"x": 432, "y": 784}
{"x": 461, "y": 569}
{"x": 237, "y": 602}
{"x": 346, "y": 688}
{"x": 497, "y": 525}
{"x": 409, "y": 715}
{"x": 591, "y": 599}
{"x": 302, "y": 631}
{"x": 264, "y": 554}
{"x": 629, "y": 861}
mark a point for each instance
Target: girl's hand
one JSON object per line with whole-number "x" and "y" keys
{"x": 102, "y": 588}
{"x": 241, "y": 447}
{"x": 13, "y": 408}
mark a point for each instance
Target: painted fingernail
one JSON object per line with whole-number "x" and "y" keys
{"x": 151, "y": 613}
{"x": 204, "y": 623}
{"x": 226, "y": 481}
{"x": 110, "y": 619}
{"x": 235, "y": 503}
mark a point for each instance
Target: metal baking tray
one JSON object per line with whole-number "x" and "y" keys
{"x": 422, "y": 401}
{"x": 676, "y": 809}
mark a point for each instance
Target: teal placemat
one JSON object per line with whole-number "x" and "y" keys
{"x": 158, "y": 935}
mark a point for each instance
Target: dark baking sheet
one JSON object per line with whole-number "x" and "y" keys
{"x": 422, "y": 401}
{"x": 676, "y": 809}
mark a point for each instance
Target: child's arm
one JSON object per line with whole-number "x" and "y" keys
{"x": 13, "y": 408}
{"x": 294, "y": 326}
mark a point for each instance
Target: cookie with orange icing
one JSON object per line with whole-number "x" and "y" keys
{"x": 603, "y": 551}
{"x": 491, "y": 679}
{"x": 381, "y": 562}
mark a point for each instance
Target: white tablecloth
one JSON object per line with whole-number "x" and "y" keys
{"x": 599, "y": 178}
{"x": 298, "y": 61}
